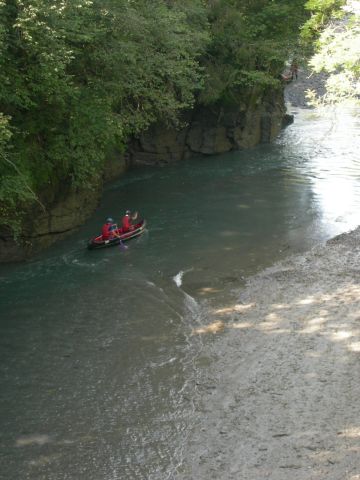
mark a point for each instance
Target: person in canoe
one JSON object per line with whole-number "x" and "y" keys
{"x": 109, "y": 229}
{"x": 127, "y": 220}
{"x": 112, "y": 235}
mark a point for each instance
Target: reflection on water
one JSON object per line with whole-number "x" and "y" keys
{"x": 98, "y": 350}
{"x": 335, "y": 169}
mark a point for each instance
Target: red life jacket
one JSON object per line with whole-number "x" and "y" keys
{"x": 106, "y": 231}
{"x": 126, "y": 223}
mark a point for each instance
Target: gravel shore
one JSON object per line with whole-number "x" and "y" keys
{"x": 295, "y": 91}
{"x": 280, "y": 399}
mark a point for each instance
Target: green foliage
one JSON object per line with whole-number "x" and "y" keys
{"x": 80, "y": 76}
{"x": 335, "y": 31}
{"x": 5, "y": 133}
{"x": 321, "y": 13}
{"x": 250, "y": 42}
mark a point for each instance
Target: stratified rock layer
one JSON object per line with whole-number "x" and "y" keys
{"x": 65, "y": 210}
{"x": 213, "y": 130}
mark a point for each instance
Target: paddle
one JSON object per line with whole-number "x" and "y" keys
{"x": 121, "y": 244}
{"x": 134, "y": 216}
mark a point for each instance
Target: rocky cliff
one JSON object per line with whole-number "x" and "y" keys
{"x": 65, "y": 210}
{"x": 214, "y": 130}
{"x": 206, "y": 131}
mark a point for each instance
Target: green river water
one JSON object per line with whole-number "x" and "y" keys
{"x": 98, "y": 360}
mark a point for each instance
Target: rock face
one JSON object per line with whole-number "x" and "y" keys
{"x": 65, "y": 211}
{"x": 115, "y": 165}
{"x": 213, "y": 130}
{"x": 42, "y": 228}
{"x": 208, "y": 131}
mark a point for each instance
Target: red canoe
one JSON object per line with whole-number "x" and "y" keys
{"x": 99, "y": 242}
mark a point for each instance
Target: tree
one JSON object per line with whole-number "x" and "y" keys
{"x": 80, "y": 76}
{"x": 250, "y": 42}
{"x": 334, "y": 32}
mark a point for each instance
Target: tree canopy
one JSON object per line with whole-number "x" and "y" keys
{"x": 79, "y": 77}
{"x": 334, "y": 34}
{"x": 250, "y": 41}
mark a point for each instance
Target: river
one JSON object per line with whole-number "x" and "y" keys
{"x": 99, "y": 352}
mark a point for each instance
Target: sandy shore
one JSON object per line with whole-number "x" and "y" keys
{"x": 282, "y": 399}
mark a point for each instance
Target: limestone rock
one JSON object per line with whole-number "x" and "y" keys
{"x": 214, "y": 130}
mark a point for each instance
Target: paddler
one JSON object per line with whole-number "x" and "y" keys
{"x": 109, "y": 229}
{"x": 127, "y": 220}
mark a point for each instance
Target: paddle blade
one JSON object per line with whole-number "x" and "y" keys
{"x": 123, "y": 247}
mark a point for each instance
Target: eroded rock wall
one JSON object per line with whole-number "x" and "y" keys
{"x": 213, "y": 130}
{"x": 65, "y": 210}
{"x": 42, "y": 228}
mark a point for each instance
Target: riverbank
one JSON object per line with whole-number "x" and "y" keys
{"x": 295, "y": 91}
{"x": 281, "y": 398}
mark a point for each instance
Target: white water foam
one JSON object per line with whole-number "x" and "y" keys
{"x": 192, "y": 305}
{"x": 190, "y": 302}
{"x": 178, "y": 277}
{"x": 161, "y": 364}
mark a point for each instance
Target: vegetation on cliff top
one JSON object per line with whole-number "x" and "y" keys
{"x": 250, "y": 41}
{"x": 79, "y": 77}
{"x": 335, "y": 27}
